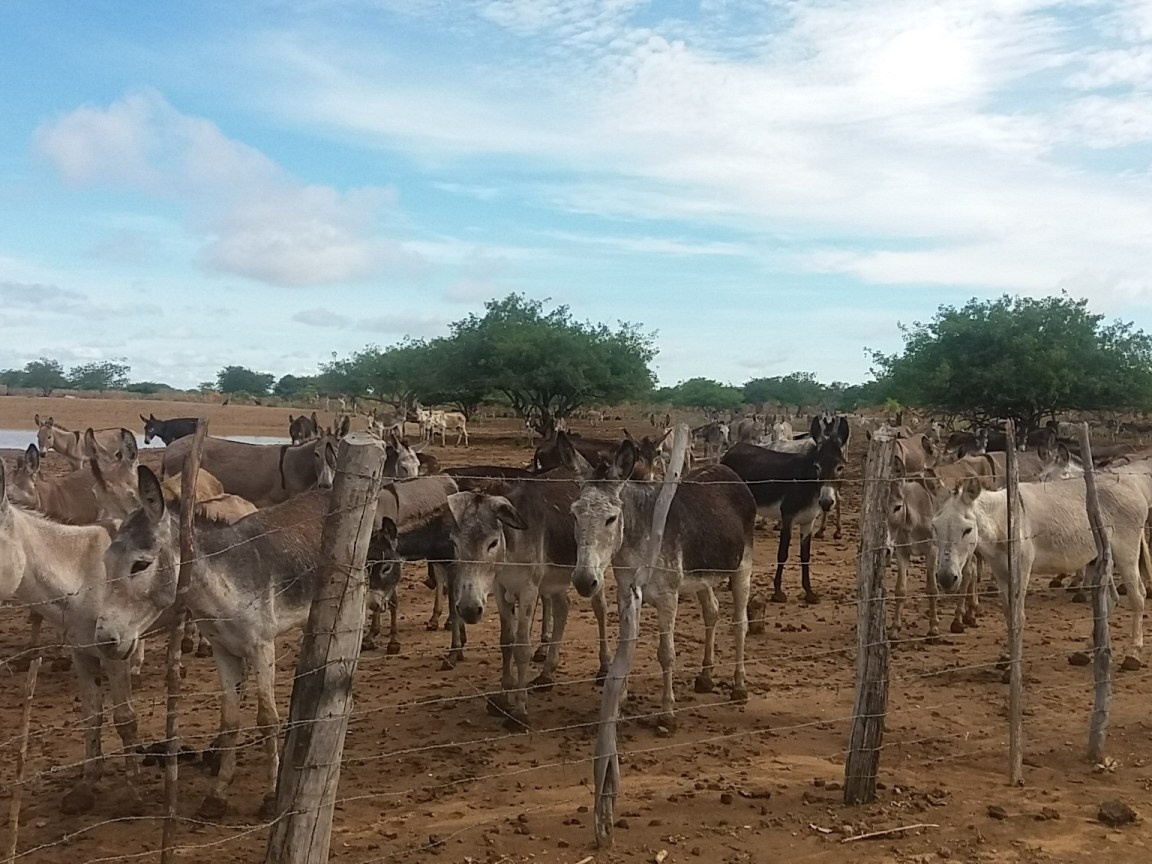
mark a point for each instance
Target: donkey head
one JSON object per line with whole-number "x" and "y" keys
{"x": 22, "y": 483}
{"x": 116, "y": 484}
{"x": 152, "y": 427}
{"x": 599, "y": 512}
{"x": 45, "y": 434}
{"x": 12, "y": 558}
{"x": 955, "y": 533}
{"x": 479, "y": 522}
{"x": 140, "y": 572}
{"x": 384, "y": 565}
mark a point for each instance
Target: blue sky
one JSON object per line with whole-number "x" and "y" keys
{"x": 770, "y": 185}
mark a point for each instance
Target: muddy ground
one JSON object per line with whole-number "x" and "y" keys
{"x": 429, "y": 776}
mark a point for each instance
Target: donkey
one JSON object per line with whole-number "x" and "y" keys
{"x": 254, "y": 580}
{"x": 1056, "y": 537}
{"x": 520, "y": 545}
{"x": 106, "y": 490}
{"x": 167, "y": 430}
{"x": 795, "y": 486}
{"x": 264, "y": 474}
{"x": 70, "y": 444}
{"x": 708, "y": 540}
{"x": 301, "y": 429}
{"x": 714, "y": 436}
{"x": 57, "y": 571}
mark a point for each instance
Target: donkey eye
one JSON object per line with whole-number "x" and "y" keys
{"x": 492, "y": 546}
{"x": 141, "y": 565}
{"x": 967, "y": 531}
{"x": 610, "y": 520}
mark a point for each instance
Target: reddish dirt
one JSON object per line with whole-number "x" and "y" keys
{"x": 429, "y": 776}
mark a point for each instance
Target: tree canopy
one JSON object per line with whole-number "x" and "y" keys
{"x": 701, "y": 393}
{"x": 240, "y": 379}
{"x": 1020, "y": 358}
{"x": 99, "y": 375}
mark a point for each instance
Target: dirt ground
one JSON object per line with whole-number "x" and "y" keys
{"x": 429, "y": 776}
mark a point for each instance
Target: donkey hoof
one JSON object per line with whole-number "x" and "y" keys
{"x": 447, "y": 625}
{"x": 739, "y": 694}
{"x": 667, "y": 721}
{"x": 779, "y": 597}
{"x": 542, "y": 683}
{"x": 497, "y": 706}
{"x": 267, "y": 807}
{"x": 516, "y": 723}
{"x": 1079, "y": 658}
{"x": 957, "y": 626}
{"x": 447, "y": 664}
{"x": 187, "y": 645}
{"x": 432, "y": 624}
{"x": 392, "y": 649}
{"x": 1057, "y": 582}
{"x": 540, "y": 655}
{"x": 212, "y": 807}
{"x": 811, "y": 598}
{"x": 78, "y": 800}
{"x": 204, "y": 649}
{"x": 1131, "y": 664}
{"x": 20, "y": 664}
{"x": 1006, "y": 676}
{"x": 703, "y": 684}
{"x": 970, "y": 620}
{"x": 368, "y": 644}
{"x": 819, "y": 535}
{"x": 62, "y": 664}
{"x": 837, "y": 535}
{"x": 1003, "y": 662}
{"x": 601, "y": 675}
{"x": 1079, "y": 597}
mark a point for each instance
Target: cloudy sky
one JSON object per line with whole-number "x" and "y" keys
{"x": 771, "y": 185}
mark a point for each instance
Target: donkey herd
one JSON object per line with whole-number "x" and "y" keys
{"x": 95, "y": 553}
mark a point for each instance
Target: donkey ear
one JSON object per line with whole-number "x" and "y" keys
{"x": 151, "y": 495}
{"x": 36, "y": 420}
{"x": 1063, "y": 455}
{"x": 128, "y": 448}
{"x": 816, "y": 429}
{"x": 843, "y": 431}
{"x": 91, "y": 448}
{"x": 345, "y": 425}
{"x": 970, "y": 490}
{"x": 926, "y": 443}
{"x": 508, "y": 514}
{"x": 32, "y": 458}
{"x": 145, "y": 419}
{"x": 623, "y": 462}
{"x": 291, "y": 420}
{"x": 571, "y": 458}
{"x": 3, "y": 488}
{"x": 458, "y": 505}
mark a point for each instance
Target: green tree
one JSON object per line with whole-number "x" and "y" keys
{"x": 240, "y": 379}
{"x": 702, "y": 393}
{"x": 99, "y": 375}
{"x": 147, "y": 388}
{"x": 452, "y": 380}
{"x": 797, "y": 390}
{"x": 1020, "y": 358}
{"x": 44, "y": 375}
{"x": 294, "y": 386}
{"x": 546, "y": 363}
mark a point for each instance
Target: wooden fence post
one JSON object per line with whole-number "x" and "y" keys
{"x": 21, "y": 755}
{"x": 606, "y": 765}
{"x": 1015, "y": 616}
{"x": 322, "y": 694}
{"x": 175, "y": 632}
{"x": 872, "y": 650}
{"x": 1102, "y": 587}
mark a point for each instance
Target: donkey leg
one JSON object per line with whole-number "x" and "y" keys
{"x": 897, "y": 625}
{"x": 547, "y": 626}
{"x": 666, "y": 653}
{"x": 393, "y": 646}
{"x": 778, "y": 595}
{"x": 810, "y": 596}
{"x": 823, "y": 521}
{"x": 838, "y": 533}
{"x": 741, "y": 585}
{"x": 230, "y": 670}
{"x": 435, "y": 577}
{"x": 81, "y": 798}
{"x": 456, "y": 628}
{"x": 368, "y": 642}
{"x": 522, "y": 653}
{"x": 710, "y": 612}
{"x": 188, "y": 642}
{"x": 558, "y": 605}
{"x": 35, "y": 623}
{"x": 268, "y": 721}
{"x": 600, "y": 610}
{"x": 498, "y": 705}
{"x": 119, "y": 676}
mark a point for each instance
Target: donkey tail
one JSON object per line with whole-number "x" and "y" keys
{"x": 1145, "y": 565}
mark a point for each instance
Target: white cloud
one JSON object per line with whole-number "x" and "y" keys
{"x": 253, "y": 219}
{"x": 396, "y": 324}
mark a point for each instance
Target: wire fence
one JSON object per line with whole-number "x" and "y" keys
{"x": 436, "y": 741}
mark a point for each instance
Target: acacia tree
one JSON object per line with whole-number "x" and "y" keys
{"x": 546, "y": 364}
{"x": 99, "y": 375}
{"x": 241, "y": 379}
{"x": 701, "y": 393}
{"x": 44, "y": 375}
{"x": 1020, "y": 358}
{"x": 796, "y": 389}
{"x": 399, "y": 374}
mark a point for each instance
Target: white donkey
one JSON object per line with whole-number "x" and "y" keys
{"x": 1056, "y": 537}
